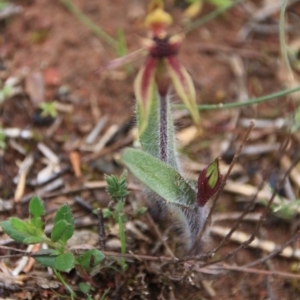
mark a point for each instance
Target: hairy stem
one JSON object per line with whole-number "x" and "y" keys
{"x": 163, "y": 136}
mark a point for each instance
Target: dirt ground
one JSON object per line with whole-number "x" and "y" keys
{"x": 234, "y": 57}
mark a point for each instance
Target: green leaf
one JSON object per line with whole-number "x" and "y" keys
{"x": 117, "y": 187}
{"x": 47, "y": 257}
{"x": 36, "y": 207}
{"x": 61, "y": 262}
{"x": 60, "y": 230}
{"x": 38, "y": 223}
{"x": 19, "y": 225}
{"x": 24, "y": 227}
{"x": 107, "y": 212}
{"x": 84, "y": 287}
{"x": 64, "y": 262}
{"x": 33, "y": 240}
{"x": 90, "y": 259}
{"x": 159, "y": 177}
{"x": 119, "y": 206}
{"x": 64, "y": 213}
{"x": 14, "y": 233}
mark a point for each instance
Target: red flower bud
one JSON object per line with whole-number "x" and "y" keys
{"x": 209, "y": 182}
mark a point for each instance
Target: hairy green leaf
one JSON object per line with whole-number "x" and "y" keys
{"x": 64, "y": 262}
{"x": 159, "y": 177}
{"x": 36, "y": 207}
{"x": 60, "y": 262}
{"x": 60, "y": 230}
{"x": 33, "y": 240}
{"x": 47, "y": 257}
{"x": 117, "y": 187}
{"x": 16, "y": 234}
{"x": 64, "y": 213}
{"x": 38, "y": 224}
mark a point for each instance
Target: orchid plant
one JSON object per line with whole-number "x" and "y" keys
{"x": 173, "y": 200}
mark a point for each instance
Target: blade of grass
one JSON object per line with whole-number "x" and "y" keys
{"x": 122, "y": 49}
{"x": 246, "y": 103}
{"x": 282, "y": 39}
{"x": 89, "y": 23}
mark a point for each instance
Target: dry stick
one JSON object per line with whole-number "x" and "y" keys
{"x": 294, "y": 237}
{"x": 119, "y": 144}
{"x": 158, "y": 233}
{"x": 247, "y": 210}
{"x": 164, "y": 259}
{"x": 208, "y": 220}
{"x": 259, "y": 272}
{"x": 101, "y": 229}
{"x": 252, "y": 237}
{"x": 87, "y": 186}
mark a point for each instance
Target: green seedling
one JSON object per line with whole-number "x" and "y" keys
{"x": 117, "y": 189}
{"x": 57, "y": 257}
{"x": 48, "y": 109}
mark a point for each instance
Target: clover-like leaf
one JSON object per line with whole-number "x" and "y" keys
{"x": 209, "y": 182}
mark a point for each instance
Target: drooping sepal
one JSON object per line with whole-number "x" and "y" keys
{"x": 209, "y": 182}
{"x": 184, "y": 86}
{"x": 144, "y": 86}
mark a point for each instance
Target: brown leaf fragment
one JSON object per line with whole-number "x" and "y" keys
{"x": 74, "y": 157}
{"x": 31, "y": 260}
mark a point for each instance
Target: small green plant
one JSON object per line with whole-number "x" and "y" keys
{"x": 117, "y": 189}
{"x": 284, "y": 209}
{"x": 48, "y": 109}
{"x": 57, "y": 257}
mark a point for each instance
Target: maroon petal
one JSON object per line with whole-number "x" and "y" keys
{"x": 143, "y": 89}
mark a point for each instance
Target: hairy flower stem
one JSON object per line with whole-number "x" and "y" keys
{"x": 163, "y": 136}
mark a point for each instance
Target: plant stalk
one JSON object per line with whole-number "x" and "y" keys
{"x": 163, "y": 136}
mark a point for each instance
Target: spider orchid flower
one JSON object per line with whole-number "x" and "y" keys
{"x": 162, "y": 67}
